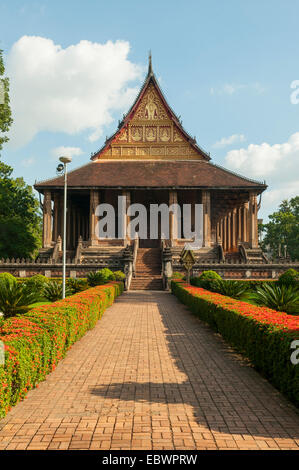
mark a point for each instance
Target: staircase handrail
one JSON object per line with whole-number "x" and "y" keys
{"x": 78, "y": 251}
{"x": 56, "y": 249}
{"x": 243, "y": 252}
{"x": 135, "y": 251}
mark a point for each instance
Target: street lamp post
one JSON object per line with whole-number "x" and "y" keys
{"x": 65, "y": 161}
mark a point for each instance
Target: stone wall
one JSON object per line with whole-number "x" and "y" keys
{"x": 23, "y": 268}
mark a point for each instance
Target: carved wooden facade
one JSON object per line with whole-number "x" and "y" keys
{"x": 151, "y": 158}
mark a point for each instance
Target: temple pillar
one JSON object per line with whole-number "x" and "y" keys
{"x": 93, "y": 204}
{"x": 173, "y": 219}
{"x": 253, "y": 227}
{"x": 127, "y": 195}
{"x": 229, "y": 230}
{"x": 60, "y": 223}
{"x": 239, "y": 225}
{"x": 245, "y": 222}
{"x": 218, "y": 238}
{"x": 56, "y": 217}
{"x": 221, "y": 231}
{"x": 206, "y": 202}
{"x": 225, "y": 233}
{"x": 234, "y": 228}
{"x": 47, "y": 220}
{"x": 68, "y": 225}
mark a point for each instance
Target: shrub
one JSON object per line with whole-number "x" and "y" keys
{"x": 8, "y": 276}
{"x": 230, "y": 288}
{"x": 205, "y": 280}
{"x": 36, "y": 341}
{"x": 119, "y": 276}
{"x": 289, "y": 278}
{"x": 283, "y": 298}
{"x": 99, "y": 277}
{"x": 262, "y": 334}
{"x": 177, "y": 275}
{"x": 53, "y": 291}
{"x": 15, "y": 298}
{"x": 76, "y": 285}
{"x": 37, "y": 284}
{"x": 37, "y": 281}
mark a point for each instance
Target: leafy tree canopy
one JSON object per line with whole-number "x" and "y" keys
{"x": 20, "y": 221}
{"x": 283, "y": 229}
{"x": 5, "y": 112}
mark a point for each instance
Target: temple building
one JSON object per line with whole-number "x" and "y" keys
{"x": 152, "y": 159}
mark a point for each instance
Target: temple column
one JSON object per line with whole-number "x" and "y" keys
{"x": 47, "y": 220}
{"x": 68, "y": 225}
{"x": 206, "y": 202}
{"x": 239, "y": 225}
{"x": 217, "y": 233}
{"x": 221, "y": 231}
{"x": 56, "y": 217}
{"x": 60, "y": 215}
{"x": 93, "y": 204}
{"x": 234, "y": 228}
{"x": 225, "y": 233}
{"x": 127, "y": 218}
{"x": 229, "y": 225}
{"x": 173, "y": 220}
{"x": 253, "y": 227}
{"x": 245, "y": 222}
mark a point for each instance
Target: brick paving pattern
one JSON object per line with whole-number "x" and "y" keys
{"x": 151, "y": 376}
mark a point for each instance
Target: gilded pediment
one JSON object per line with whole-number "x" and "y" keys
{"x": 150, "y": 131}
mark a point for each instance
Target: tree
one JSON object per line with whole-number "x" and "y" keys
{"x": 20, "y": 220}
{"x": 5, "y": 112}
{"x": 283, "y": 229}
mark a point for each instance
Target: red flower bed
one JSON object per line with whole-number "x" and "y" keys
{"x": 262, "y": 314}
{"x": 36, "y": 341}
{"x": 262, "y": 334}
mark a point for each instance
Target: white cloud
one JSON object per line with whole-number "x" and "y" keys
{"x": 68, "y": 90}
{"x": 232, "y": 88}
{"x": 233, "y": 139}
{"x": 66, "y": 152}
{"x": 277, "y": 163}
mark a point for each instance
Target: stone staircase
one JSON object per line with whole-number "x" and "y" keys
{"x": 233, "y": 257}
{"x": 101, "y": 255}
{"x": 148, "y": 270}
{"x": 253, "y": 255}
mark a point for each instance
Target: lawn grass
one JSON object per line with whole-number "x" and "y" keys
{"x": 38, "y": 304}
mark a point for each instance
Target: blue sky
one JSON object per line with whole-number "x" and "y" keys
{"x": 225, "y": 67}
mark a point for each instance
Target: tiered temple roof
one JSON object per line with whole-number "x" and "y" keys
{"x": 151, "y": 149}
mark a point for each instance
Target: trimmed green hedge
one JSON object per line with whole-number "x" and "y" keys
{"x": 251, "y": 283}
{"x": 37, "y": 340}
{"x": 263, "y": 335}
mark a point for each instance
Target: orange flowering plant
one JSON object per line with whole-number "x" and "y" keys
{"x": 263, "y": 335}
{"x": 36, "y": 341}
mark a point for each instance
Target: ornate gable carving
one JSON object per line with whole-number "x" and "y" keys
{"x": 151, "y": 133}
{"x": 151, "y": 108}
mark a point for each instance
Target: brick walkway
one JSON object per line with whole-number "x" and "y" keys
{"x": 151, "y": 376}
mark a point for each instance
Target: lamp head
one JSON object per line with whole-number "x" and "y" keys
{"x": 65, "y": 159}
